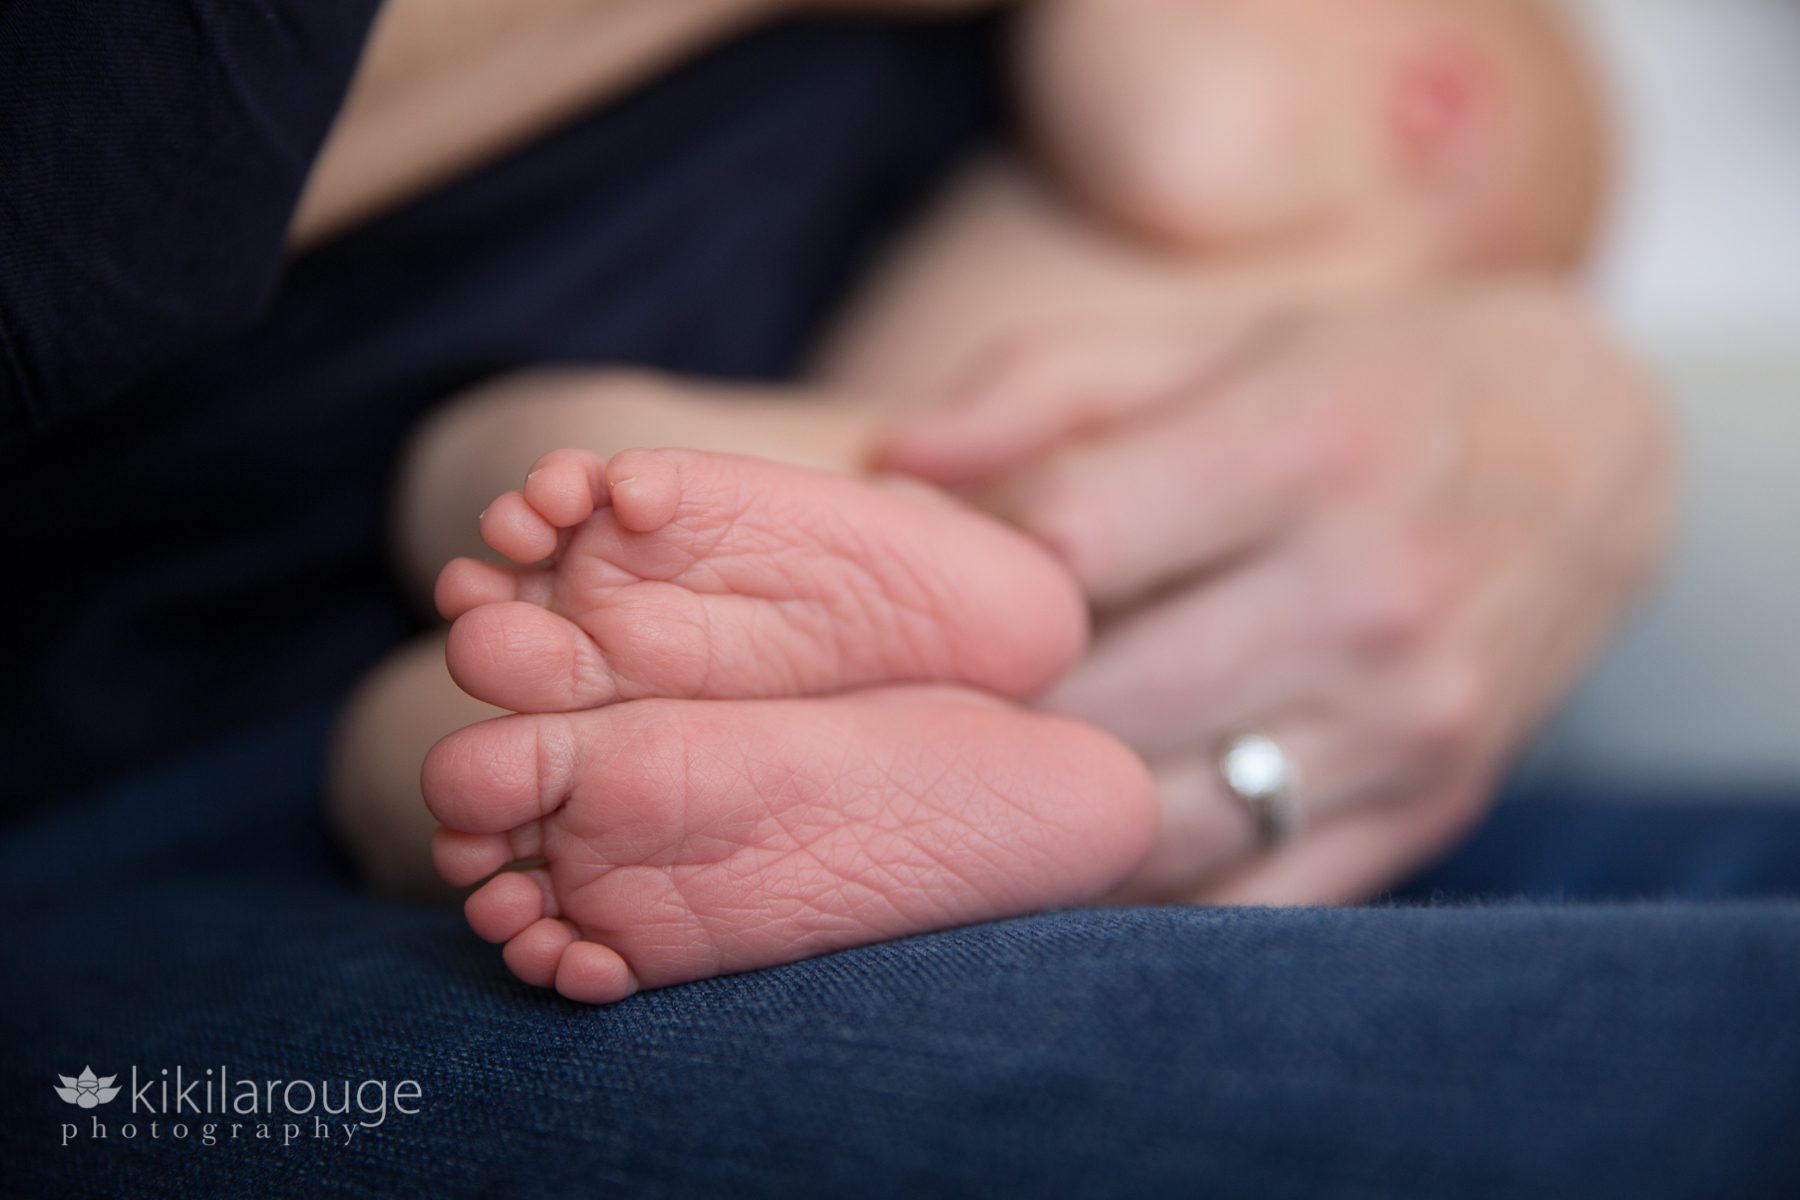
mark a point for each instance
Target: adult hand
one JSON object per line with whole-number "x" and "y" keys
{"x": 1389, "y": 539}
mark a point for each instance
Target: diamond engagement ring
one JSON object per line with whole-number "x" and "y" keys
{"x": 1260, "y": 774}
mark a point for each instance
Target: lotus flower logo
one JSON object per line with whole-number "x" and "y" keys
{"x": 86, "y": 1089}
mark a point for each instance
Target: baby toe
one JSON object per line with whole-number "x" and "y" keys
{"x": 566, "y": 486}
{"x": 524, "y": 657}
{"x": 590, "y": 973}
{"x": 467, "y": 584}
{"x": 645, "y": 486}
{"x": 506, "y": 905}
{"x": 500, "y": 774}
{"x": 465, "y": 859}
{"x": 513, "y": 528}
{"x": 537, "y": 950}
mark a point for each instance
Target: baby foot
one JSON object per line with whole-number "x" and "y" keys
{"x": 677, "y": 841}
{"x": 685, "y": 574}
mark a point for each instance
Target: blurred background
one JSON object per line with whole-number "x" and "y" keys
{"x": 1702, "y": 275}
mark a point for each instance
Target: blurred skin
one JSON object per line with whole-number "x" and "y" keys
{"x": 1387, "y": 532}
{"x": 1211, "y": 123}
{"x": 1230, "y": 125}
{"x": 1390, "y": 537}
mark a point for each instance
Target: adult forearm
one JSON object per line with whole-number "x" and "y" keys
{"x": 447, "y": 85}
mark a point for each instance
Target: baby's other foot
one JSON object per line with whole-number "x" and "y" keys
{"x": 676, "y": 840}
{"x": 691, "y": 575}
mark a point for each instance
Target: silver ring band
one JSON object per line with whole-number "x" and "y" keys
{"x": 1257, "y": 771}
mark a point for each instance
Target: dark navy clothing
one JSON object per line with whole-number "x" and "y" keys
{"x": 1538, "y": 1018}
{"x": 1591, "y": 1000}
{"x": 150, "y": 155}
{"x": 200, "y": 504}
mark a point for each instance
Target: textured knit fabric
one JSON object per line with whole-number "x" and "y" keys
{"x": 208, "y": 546}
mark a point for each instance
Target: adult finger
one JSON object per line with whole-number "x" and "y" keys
{"x": 1176, "y": 492}
{"x": 1042, "y": 389}
{"x": 1207, "y": 834}
{"x": 1354, "y": 858}
{"x": 1203, "y": 834}
{"x": 1201, "y": 661}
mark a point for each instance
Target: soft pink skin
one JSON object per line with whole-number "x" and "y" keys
{"x": 690, "y": 575}
{"x": 680, "y": 840}
{"x": 687, "y": 840}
